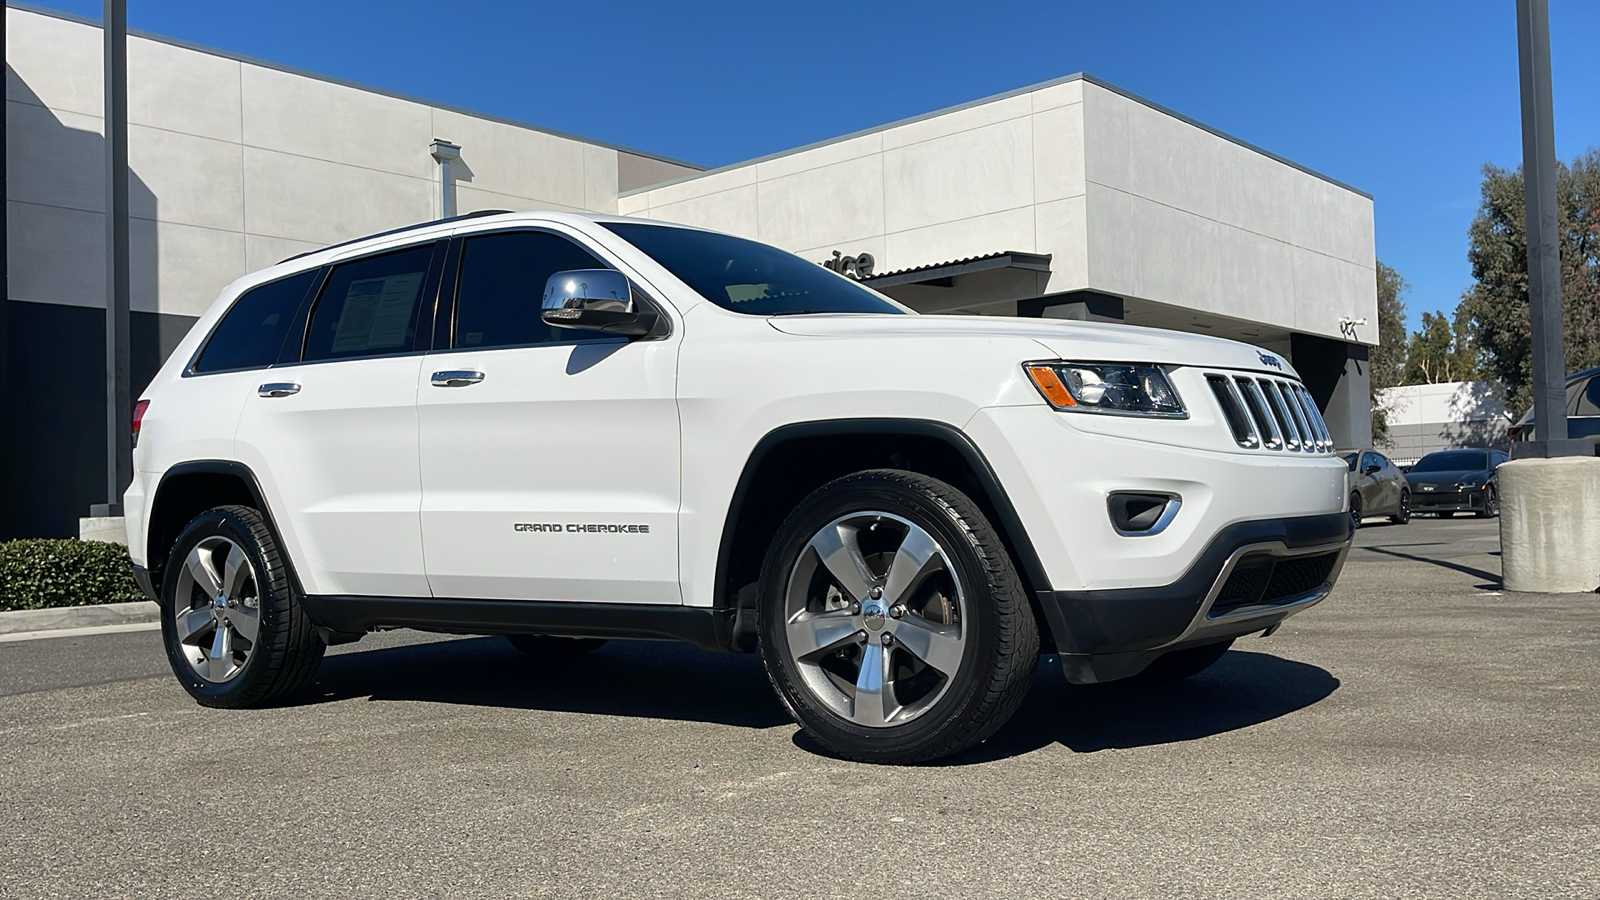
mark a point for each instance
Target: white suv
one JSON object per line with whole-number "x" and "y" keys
{"x": 567, "y": 428}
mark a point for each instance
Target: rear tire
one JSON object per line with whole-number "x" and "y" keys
{"x": 545, "y": 646}
{"x": 893, "y": 625}
{"x": 1403, "y": 514}
{"x": 1180, "y": 664}
{"x": 236, "y": 633}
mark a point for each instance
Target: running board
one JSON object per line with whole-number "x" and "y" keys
{"x": 710, "y": 629}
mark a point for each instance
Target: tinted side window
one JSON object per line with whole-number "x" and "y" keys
{"x": 1589, "y": 403}
{"x": 1368, "y": 460}
{"x": 369, "y": 306}
{"x": 252, "y": 331}
{"x": 499, "y": 294}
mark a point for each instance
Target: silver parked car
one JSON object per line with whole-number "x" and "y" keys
{"x": 1377, "y": 487}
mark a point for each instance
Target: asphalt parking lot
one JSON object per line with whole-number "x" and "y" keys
{"x": 1420, "y": 734}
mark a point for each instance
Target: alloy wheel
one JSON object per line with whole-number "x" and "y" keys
{"x": 874, "y": 616}
{"x": 217, "y": 610}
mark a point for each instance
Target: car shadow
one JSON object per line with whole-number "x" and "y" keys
{"x": 646, "y": 679}
{"x": 680, "y": 682}
{"x": 1241, "y": 690}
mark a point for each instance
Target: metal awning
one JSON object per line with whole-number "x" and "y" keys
{"x": 940, "y": 274}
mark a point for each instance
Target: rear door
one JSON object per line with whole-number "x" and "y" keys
{"x": 1370, "y": 486}
{"x": 331, "y": 432}
{"x": 550, "y": 457}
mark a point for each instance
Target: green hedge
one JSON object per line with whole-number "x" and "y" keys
{"x": 43, "y": 573}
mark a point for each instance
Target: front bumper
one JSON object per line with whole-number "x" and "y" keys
{"x": 1448, "y": 501}
{"x": 1250, "y": 577}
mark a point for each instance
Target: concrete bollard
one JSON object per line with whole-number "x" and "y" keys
{"x": 1550, "y": 524}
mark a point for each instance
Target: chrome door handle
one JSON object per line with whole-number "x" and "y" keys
{"x": 457, "y": 377}
{"x": 278, "y": 389}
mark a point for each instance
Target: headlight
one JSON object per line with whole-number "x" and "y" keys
{"x": 1119, "y": 388}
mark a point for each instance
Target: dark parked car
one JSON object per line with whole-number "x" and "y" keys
{"x": 1452, "y": 481}
{"x": 1583, "y": 409}
{"x": 1377, "y": 487}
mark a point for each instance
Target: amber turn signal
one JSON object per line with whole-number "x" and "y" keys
{"x": 1049, "y": 384}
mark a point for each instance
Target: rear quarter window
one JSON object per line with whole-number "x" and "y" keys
{"x": 370, "y": 306}
{"x": 251, "y": 332}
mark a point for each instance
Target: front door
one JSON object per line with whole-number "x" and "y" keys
{"x": 550, "y": 457}
{"x": 332, "y": 435}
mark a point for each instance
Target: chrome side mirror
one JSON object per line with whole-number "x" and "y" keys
{"x": 595, "y": 300}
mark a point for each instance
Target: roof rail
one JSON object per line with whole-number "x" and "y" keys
{"x": 471, "y": 215}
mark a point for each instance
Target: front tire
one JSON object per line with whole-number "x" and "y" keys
{"x": 1491, "y": 505}
{"x": 893, "y": 625}
{"x": 1403, "y": 514}
{"x": 236, "y": 633}
{"x": 1355, "y": 509}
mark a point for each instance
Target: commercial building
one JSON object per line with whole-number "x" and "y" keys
{"x": 1069, "y": 199}
{"x": 1428, "y": 417}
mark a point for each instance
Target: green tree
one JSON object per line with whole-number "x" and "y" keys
{"x": 1494, "y": 311}
{"x": 1442, "y": 350}
{"x": 1386, "y": 365}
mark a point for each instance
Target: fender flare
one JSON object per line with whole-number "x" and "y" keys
{"x": 1005, "y": 514}
{"x": 230, "y": 468}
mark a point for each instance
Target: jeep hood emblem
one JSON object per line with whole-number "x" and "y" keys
{"x": 1270, "y": 360}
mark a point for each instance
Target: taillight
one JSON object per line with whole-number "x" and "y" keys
{"x": 138, "y": 417}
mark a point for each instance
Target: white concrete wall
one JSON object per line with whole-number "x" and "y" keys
{"x": 1129, "y": 200}
{"x": 237, "y": 165}
{"x": 1428, "y": 417}
{"x": 1004, "y": 175}
{"x": 1182, "y": 216}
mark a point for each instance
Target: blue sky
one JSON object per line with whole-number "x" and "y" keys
{"x": 1405, "y": 100}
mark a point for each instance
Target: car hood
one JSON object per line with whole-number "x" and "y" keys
{"x": 1447, "y": 477}
{"x": 1086, "y": 341}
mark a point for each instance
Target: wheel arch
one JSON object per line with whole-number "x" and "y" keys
{"x": 791, "y": 461}
{"x": 190, "y": 488}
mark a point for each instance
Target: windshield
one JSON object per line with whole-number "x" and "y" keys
{"x": 1350, "y": 460}
{"x": 1453, "y": 461}
{"x": 748, "y": 277}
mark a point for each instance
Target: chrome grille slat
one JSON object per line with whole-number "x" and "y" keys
{"x": 1256, "y": 402}
{"x": 1280, "y": 408}
{"x": 1273, "y": 414}
{"x": 1233, "y": 411}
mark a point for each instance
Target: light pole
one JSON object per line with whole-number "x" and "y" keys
{"x": 119, "y": 402}
{"x": 1544, "y": 260}
{"x": 1549, "y": 535}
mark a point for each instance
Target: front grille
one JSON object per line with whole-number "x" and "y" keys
{"x": 1441, "y": 498}
{"x": 1270, "y": 413}
{"x": 1265, "y": 580}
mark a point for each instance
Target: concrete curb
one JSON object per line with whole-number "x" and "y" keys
{"x": 25, "y": 620}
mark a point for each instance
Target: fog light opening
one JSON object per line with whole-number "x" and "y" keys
{"x": 1141, "y": 514}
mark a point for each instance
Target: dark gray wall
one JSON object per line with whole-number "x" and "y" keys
{"x": 53, "y": 467}
{"x": 1336, "y": 374}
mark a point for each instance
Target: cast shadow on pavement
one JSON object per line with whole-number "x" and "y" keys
{"x": 647, "y": 679}
{"x": 679, "y": 682}
{"x": 1241, "y": 690}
